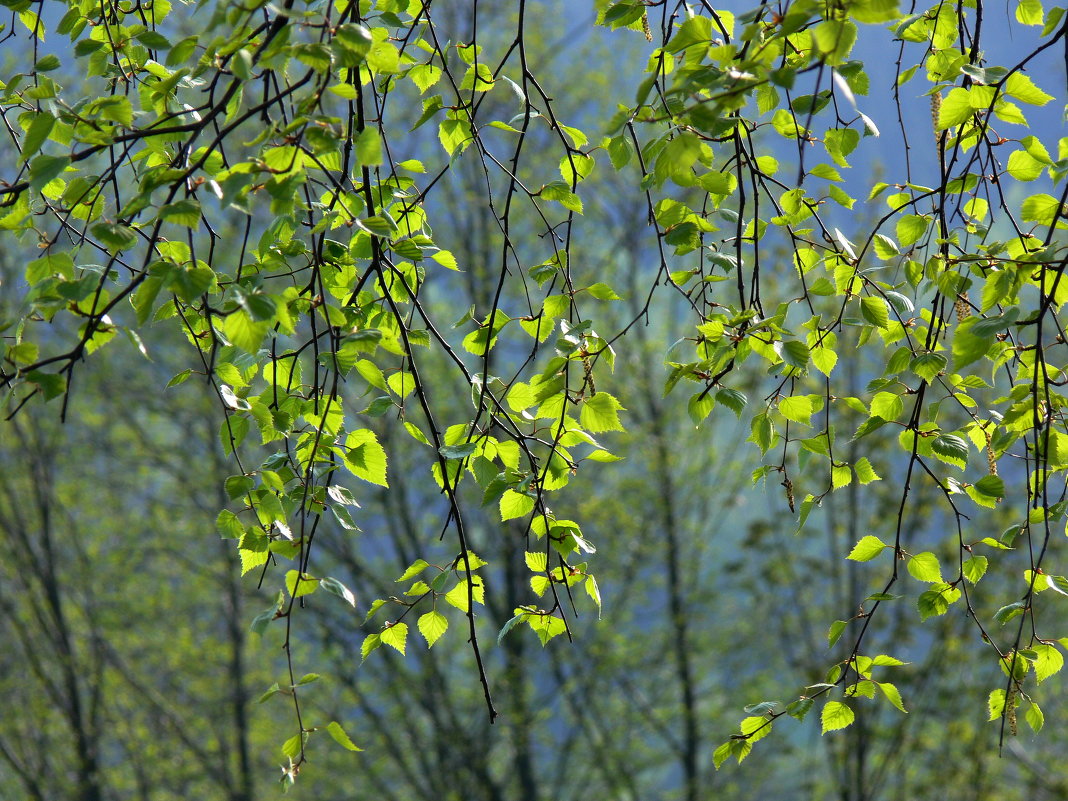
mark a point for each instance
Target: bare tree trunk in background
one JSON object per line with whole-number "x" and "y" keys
{"x": 36, "y": 562}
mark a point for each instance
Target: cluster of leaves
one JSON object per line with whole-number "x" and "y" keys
{"x": 134, "y": 191}
{"x": 952, "y": 297}
{"x": 257, "y": 187}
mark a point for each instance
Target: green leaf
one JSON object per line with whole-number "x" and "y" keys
{"x": 1023, "y": 166}
{"x": 825, "y": 359}
{"x": 402, "y": 383}
{"x": 875, "y": 311}
{"x": 840, "y": 142}
{"x": 189, "y": 284}
{"x": 867, "y": 548}
{"x": 834, "y": 633}
{"x": 974, "y": 568}
{"x": 841, "y": 476}
{"x": 365, "y": 457}
{"x": 413, "y": 570}
{"x": 334, "y": 729}
{"x": 956, "y": 108}
{"x": 299, "y": 584}
{"x": 395, "y": 636}
{"x": 925, "y": 567}
{"x": 514, "y": 504}
{"x": 826, "y": 171}
{"x": 23, "y": 353}
{"x": 969, "y": 345}
{"x": 800, "y": 708}
{"x": 536, "y": 561}
{"x": 602, "y": 291}
{"x": 440, "y": 580}
{"x": 932, "y": 603}
{"x": 37, "y": 134}
{"x": 511, "y": 624}
{"x": 1009, "y": 112}
{"x": 380, "y": 406}
{"x": 1041, "y": 208}
{"x": 694, "y": 31}
{"x": 797, "y": 408}
{"x": 340, "y": 590}
{"x": 951, "y": 449}
{"x": 699, "y": 406}
{"x": 446, "y": 259}
{"x": 996, "y": 704}
{"x": 1048, "y": 661}
{"x": 461, "y": 451}
{"x": 600, "y": 413}
{"x": 1021, "y": 87}
{"x": 1036, "y": 150}
{"x": 1009, "y": 611}
{"x": 796, "y": 354}
{"x": 51, "y": 385}
{"x": 732, "y": 399}
{"x": 47, "y": 63}
{"x": 910, "y": 229}
{"x": 887, "y": 405}
{"x": 990, "y": 486}
{"x": 562, "y": 194}
{"x": 182, "y": 212}
{"x": 594, "y": 592}
{"x": 49, "y": 265}
{"x": 756, "y": 727}
{"x": 1058, "y": 584}
{"x": 1029, "y": 12}
{"x": 354, "y": 38}
{"x": 370, "y": 643}
{"x": 835, "y": 39}
{"x": 835, "y": 716}
{"x": 885, "y": 248}
{"x": 1034, "y": 717}
{"x": 369, "y": 147}
{"x": 244, "y": 332}
{"x": 788, "y": 125}
{"x": 457, "y": 596}
{"x": 44, "y": 169}
{"x": 454, "y": 134}
{"x": 928, "y": 365}
{"x": 892, "y": 695}
{"x": 762, "y": 432}
{"x": 721, "y": 754}
{"x": 291, "y": 747}
{"x": 432, "y": 625}
{"x": 865, "y": 472}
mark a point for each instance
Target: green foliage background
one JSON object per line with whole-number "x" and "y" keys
{"x": 455, "y": 305}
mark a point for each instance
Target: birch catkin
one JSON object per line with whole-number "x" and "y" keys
{"x": 936, "y": 110}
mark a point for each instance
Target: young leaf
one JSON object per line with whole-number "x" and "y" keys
{"x": 365, "y": 457}
{"x": 835, "y": 716}
{"x": 925, "y": 567}
{"x": 511, "y": 624}
{"x": 974, "y": 568}
{"x": 867, "y": 548}
{"x": 600, "y": 413}
{"x": 340, "y": 590}
{"x": 797, "y": 408}
{"x": 395, "y": 636}
{"x": 432, "y": 625}
{"x": 892, "y": 694}
{"x": 1048, "y": 660}
{"x": 299, "y": 584}
{"x": 334, "y": 729}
